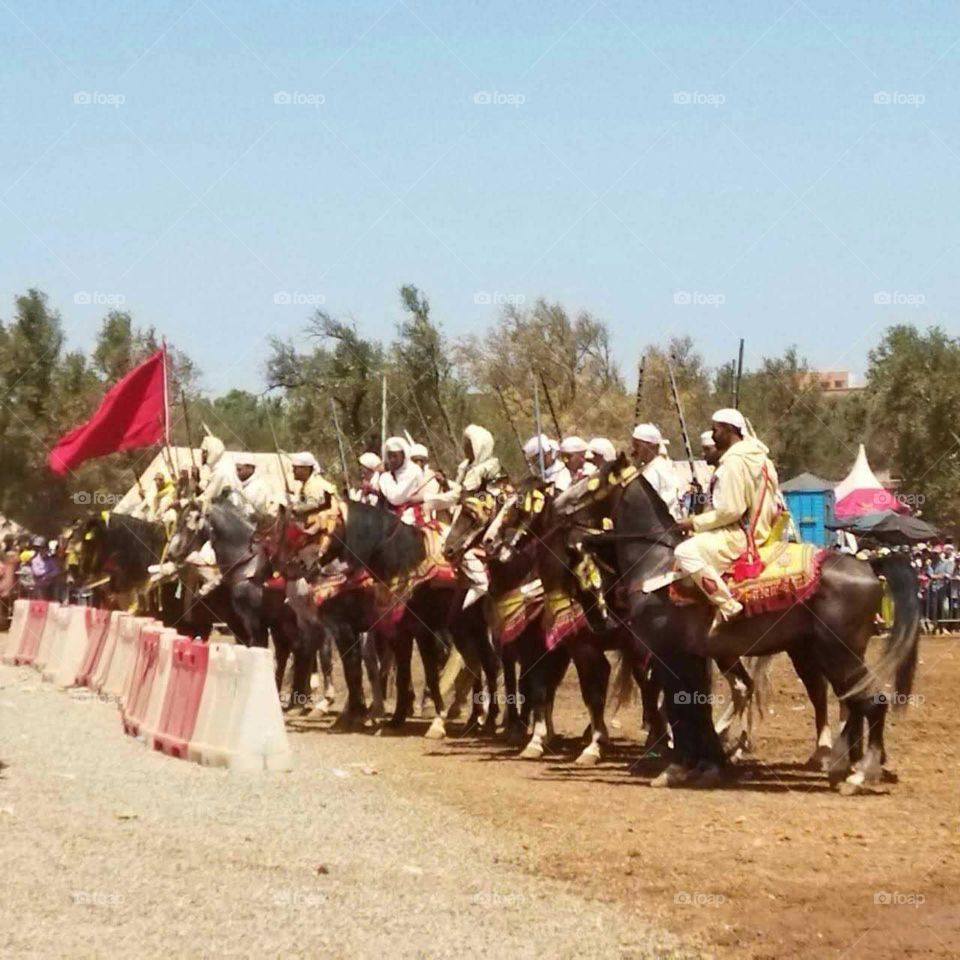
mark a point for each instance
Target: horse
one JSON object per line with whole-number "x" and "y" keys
{"x": 376, "y": 540}
{"x": 825, "y": 635}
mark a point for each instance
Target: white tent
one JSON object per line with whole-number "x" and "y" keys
{"x": 268, "y": 467}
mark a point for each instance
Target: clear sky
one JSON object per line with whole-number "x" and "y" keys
{"x": 784, "y": 171}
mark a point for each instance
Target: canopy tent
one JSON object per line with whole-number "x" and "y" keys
{"x": 887, "y": 527}
{"x": 268, "y": 467}
{"x": 860, "y": 492}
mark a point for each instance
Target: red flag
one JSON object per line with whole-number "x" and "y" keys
{"x": 131, "y": 414}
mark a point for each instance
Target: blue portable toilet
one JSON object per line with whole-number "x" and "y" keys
{"x": 810, "y": 502}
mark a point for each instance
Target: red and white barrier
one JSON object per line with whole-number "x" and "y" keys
{"x": 97, "y": 625}
{"x": 18, "y": 626}
{"x": 188, "y": 674}
{"x": 216, "y": 703}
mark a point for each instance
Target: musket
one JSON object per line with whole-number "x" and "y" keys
{"x": 383, "y": 417}
{"x": 343, "y": 455}
{"x": 639, "y": 402}
{"x": 536, "y": 415}
{"x": 276, "y": 446}
{"x": 553, "y": 413}
{"x": 683, "y": 426}
{"x": 513, "y": 426}
{"x": 736, "y": 391}
{"x": 186, "y": 426}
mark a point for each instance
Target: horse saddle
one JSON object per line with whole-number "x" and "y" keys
{"x": 789, "y": 573}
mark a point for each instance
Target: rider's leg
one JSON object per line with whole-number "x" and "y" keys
{"x": 692, "y": 562}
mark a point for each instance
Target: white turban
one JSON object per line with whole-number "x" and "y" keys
{"x": 706, "y": 439}
{"x": 396, "y": 445}
{"x": 535, "y": 444}
{"x": 732, "y": 417}
{"x": 601, "y": 447}
{"x": 419, "y": 450}
{"x": 369, "y": 460}
{"x": 244, "y": 459}
{"x": 304, "y": 459}
{"x": 573, "y": 445}
{"x": 648, "y": 433}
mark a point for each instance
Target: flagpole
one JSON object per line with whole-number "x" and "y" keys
{"x": 167, "y": 449}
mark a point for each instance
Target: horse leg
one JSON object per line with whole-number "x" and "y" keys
{"x": 403, "y": 649}
{"x": 654, "y": 721}
{"x": 371, "y": 661}
{"x": 809, "y": 672}
{"x": 593, "y": 672}
{"x": 869, "y": 769}
{"x": 513, "y": 722}
{"x": 351, "y": 659}
{"x": 325, "y": 656}
{"x": 741, "y": 692}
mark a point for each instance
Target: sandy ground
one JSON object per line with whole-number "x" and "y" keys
{"x": 112, "y": 850}
{"x": 458, "y": 847}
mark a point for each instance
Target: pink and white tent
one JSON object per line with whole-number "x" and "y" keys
{"x": 861, "y": 492}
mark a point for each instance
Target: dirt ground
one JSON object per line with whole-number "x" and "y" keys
{"x": 774, "y": 864}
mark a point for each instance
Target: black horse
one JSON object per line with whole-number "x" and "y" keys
{"x": 828, "y": 634}
{"x": 376, "y": 540}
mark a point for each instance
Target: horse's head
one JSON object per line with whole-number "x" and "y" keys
{"x": 90, "y": 535}
{"x": 519, "y": 520}
{"x": 593, "y": 500}
{"x": 191, "y": 532}
{"x": 473, "y": 515}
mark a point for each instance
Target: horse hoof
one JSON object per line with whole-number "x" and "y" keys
{"x": 516, "y": 736}
{"x": 436, "y": 731}
{"x": 709, "y": 776}
{"x": 819, "y": 760}
{"x": 588, "y": 758}
{"x": 672, "y": 776}
{"x": 532, "y": 751}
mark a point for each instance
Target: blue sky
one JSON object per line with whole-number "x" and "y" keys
{"x": 788, "y": 172}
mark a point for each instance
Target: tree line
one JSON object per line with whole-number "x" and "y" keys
{"x": 437, "y": 384}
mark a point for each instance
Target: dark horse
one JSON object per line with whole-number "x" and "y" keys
{"x": 832, "y": 628}
{"x": 377, "y": 541}
{"x": 252, "y": 611}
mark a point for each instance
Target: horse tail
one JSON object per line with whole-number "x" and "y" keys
{"x": 624, "y": 687}
{"x": 899, "y": 658}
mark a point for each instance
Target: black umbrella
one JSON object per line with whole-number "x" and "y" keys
{"x": 887, "y": 527}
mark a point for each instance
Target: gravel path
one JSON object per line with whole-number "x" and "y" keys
{"x": 110, "y": 850}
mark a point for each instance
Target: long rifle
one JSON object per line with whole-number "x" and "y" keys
{"x": 513, "y": 426}
{"x": 343, "y": 455}
{"x": 683, "y": 426}
{"x": 276, "y": 446}
{"x": 638, "y": 405}
{"x": 553, "y": 413}
{"x": 383, "y": 418}
{"x": 536, "y": 415}
{"x": 186, "y": 426}
{"x": 736, "y": 392}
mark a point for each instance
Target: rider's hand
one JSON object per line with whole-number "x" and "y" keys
{"x": 685, "y": 524}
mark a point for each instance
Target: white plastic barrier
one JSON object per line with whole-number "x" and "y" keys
{"x": 69, "y": 647}
{"x": 99, "y": 678}
{"x": 240, "y": 722}
{"x": 124, "y": 657}
{"x": 18, "y": 623}
{"x": 55, "y": 623}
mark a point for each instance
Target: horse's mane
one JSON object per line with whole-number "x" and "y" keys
{"x": 642, "y": 487}
{"x": 377, "y": 538}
